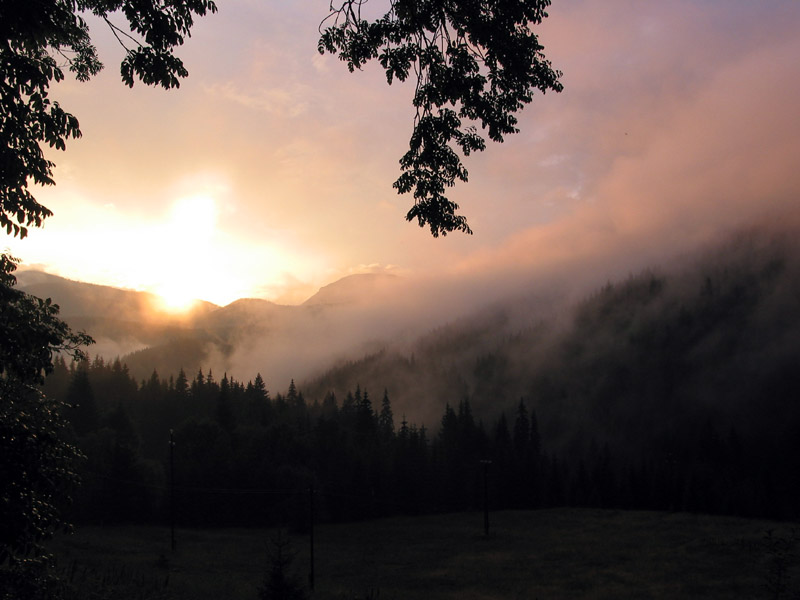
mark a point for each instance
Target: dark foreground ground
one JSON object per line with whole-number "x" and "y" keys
{"x": 547, "y": 554}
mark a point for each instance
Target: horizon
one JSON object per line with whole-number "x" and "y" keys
{"x": 188, "y": 304}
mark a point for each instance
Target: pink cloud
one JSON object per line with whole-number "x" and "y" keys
{"x": 674, "y": 132}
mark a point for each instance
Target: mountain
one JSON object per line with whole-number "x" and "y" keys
{"x": 353, "y": 289}
{"x": 715, "y": 338}
{"x": 79, "y": 299}
{"x": 253, "y": 334}
{"x": 120, "y": 321}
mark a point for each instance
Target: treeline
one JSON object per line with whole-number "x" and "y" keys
{"x": 687, "y": 378}
{"x": 242, "y": 456}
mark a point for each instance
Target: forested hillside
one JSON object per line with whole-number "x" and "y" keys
{"x": 717, "y": 335}
{"x": 669, "y": 390}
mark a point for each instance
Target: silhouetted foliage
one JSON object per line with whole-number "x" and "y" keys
{"x": 37, "y": 465}
{"x": 38, "y": 34}
{"x": 280, "y": 583}
{"x": 474, "y": 63}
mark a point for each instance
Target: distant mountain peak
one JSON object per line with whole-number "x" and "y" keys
{"x": 352, "y": 289}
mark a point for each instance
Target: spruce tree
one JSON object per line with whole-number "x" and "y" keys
{"x": 84, "y": 414}
{"x": 224, "y": 411}
{"x": 280, "y": 583}
{"x": 386, "y": 418}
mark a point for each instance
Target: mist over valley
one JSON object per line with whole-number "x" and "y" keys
{"x": 713, "y": 334}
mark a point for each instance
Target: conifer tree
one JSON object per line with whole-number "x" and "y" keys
{"x": 291, "y": 395}
{"x": 522, "y": 431}
{"x": 365, "y": 418}
{"x": 84, "y": 414}
{"x": 386, "y": 418}
{"x": 280, "y": 583}
{"x": 198, "y": 384}
{"x": 260, "y": 388}
{"x": 329, "y": 406}
{"x": 181, "y": 384}
{"x": 258, "y": 408}
{"x": 224, "y": 411}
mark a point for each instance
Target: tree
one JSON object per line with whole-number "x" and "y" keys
{"x": 475, "y": 62}
{"x": 38, "y": 35}
{"x": 258, "y": 408}
{"x": 386, "y": 418}
{"x": 522, "y": 430}
{"x": 83, "y": 414}
{"x": 37, "y": 465}
{"x": 280, "y": 583}
{"x": 182, "y": 385}
{"x": 224, "y": 409}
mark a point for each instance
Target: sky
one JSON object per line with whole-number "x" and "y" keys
{"x": 269, "y": 172}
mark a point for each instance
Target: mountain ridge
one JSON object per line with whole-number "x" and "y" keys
{"x": 131, "y": 324}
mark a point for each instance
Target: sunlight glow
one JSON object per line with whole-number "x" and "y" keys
{"x": 194, "y": 216}
{"x": 175, "y": 299}
{"x": 189, "y": 267}
{"x": 181, "y": 254}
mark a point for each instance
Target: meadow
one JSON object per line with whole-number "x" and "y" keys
{"x": 581, "y": 554}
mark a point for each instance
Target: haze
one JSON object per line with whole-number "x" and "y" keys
{"x": 268, "y": 173}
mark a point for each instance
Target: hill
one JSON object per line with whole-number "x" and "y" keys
{"x": 353, "y": 289}
{"x": 634, "y": 365}
{"x": 248, "y": 334}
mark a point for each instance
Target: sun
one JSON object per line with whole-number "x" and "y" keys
{"x": 189, "y": 258}
{"x": 186, "y": 255}
{"x": 175, "y": 298}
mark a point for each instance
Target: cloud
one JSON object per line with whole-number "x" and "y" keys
{"x": 667, "y": 150}
{"x": 677, "y": 120}
{"x": 280, "y": 102}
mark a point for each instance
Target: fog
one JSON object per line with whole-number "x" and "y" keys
{"x": 402, "y": 319}
{"x": 676, "y": 129}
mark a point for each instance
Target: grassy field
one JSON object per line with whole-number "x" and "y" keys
{"x": 547, "y": 554}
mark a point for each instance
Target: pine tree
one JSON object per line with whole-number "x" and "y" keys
{"x": 260, "y": 388}
{"x": 448, "y": 434}
{"x": 279, "y": 583}
{"x": 522, "y": 431}
{"x": 291, "y": 395}
{"x": 329, "y": 407}
{"x": 366, "y": 425}
{"x": 182, "y": 384}
{"x": 386, "y": 418}
{"x": 258, "y": 407}
{"x": 224, "y": 411}
{"x": 198, "y": 385}
{"x": 84, "y": 414}
{"x": 404, "y": 434}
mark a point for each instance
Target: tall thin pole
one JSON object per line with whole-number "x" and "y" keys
{"x": 172, "y": 488}
{"x": 311, "y": 536}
